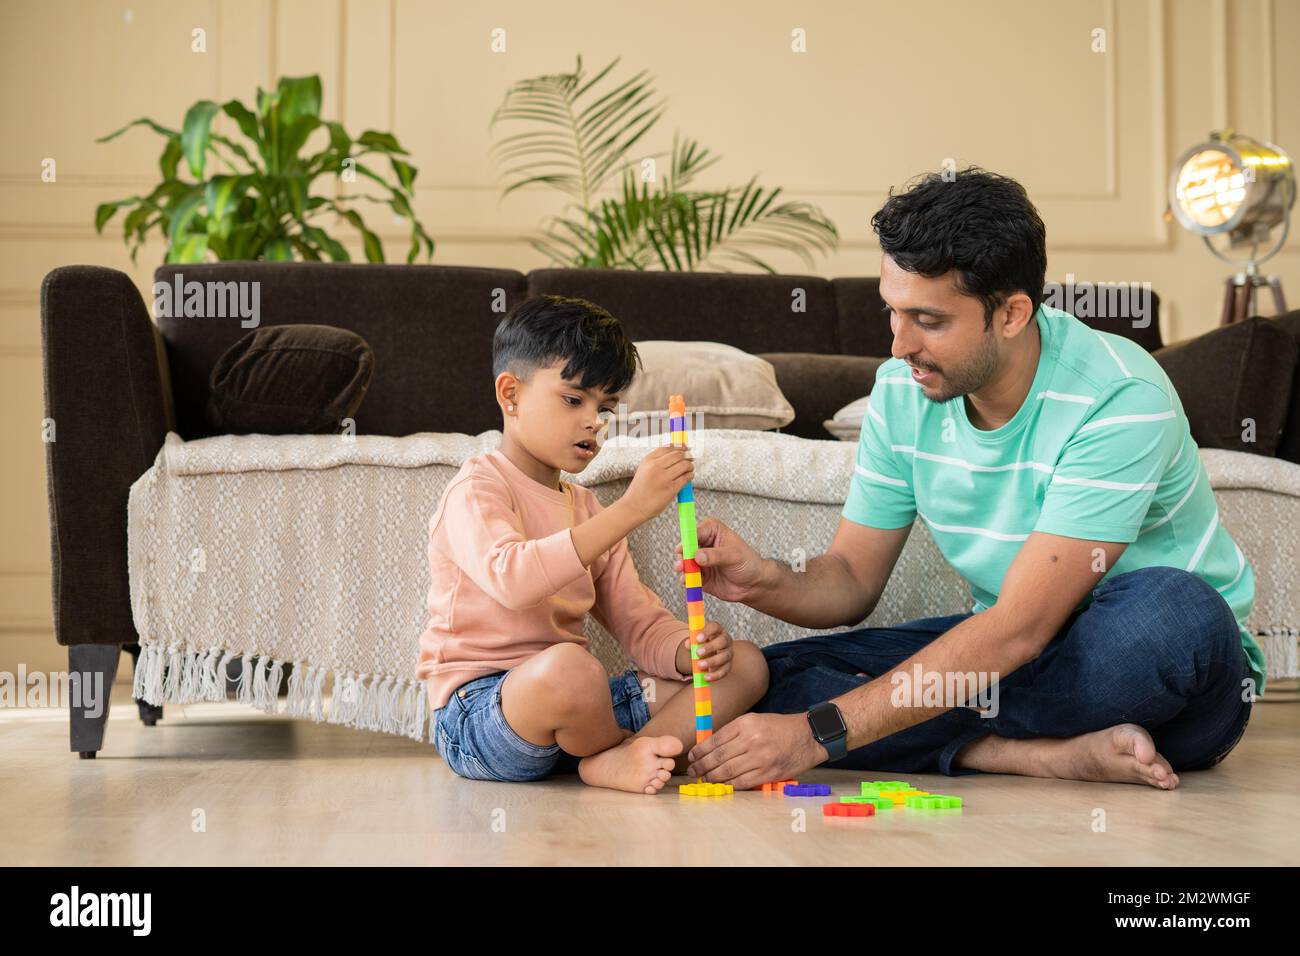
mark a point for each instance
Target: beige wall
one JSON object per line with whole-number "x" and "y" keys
{"x": 884, "y": 91}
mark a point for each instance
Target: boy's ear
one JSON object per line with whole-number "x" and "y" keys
{"x": 507, "y": 389}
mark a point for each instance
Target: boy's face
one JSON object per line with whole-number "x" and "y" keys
{"x": 559, "y": 423}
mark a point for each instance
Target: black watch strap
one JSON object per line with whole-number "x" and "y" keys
{"x": 829, "y": 729}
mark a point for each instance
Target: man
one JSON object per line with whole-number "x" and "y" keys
{"x": 1054, "y": 467}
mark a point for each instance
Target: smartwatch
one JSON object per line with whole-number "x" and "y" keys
{"x": 829, "y": 729}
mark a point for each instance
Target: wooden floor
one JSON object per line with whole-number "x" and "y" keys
{"x": 272, "y": 790}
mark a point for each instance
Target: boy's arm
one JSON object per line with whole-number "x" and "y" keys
{"x": 647, "y": 631}
{"x": 604, "y": 529}
{"x": 480, "y": 531}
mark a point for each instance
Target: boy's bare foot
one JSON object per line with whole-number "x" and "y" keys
{"x": 1124, "y": 753}
{"x": 639, "y": 765}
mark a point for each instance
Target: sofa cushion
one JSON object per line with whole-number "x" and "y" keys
{"x": 1289, "y": 447}
{"x": 820, "y": 385}
{"x": 430, "y": 328}
{"x": 846, "y": 424}
{"x": 723, "y": 386}
{"x": 289, "y": 380}
{"x": 756, "y": 313}
{"x": 1234, "y": 374}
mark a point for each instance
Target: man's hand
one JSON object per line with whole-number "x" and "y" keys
{"x": 755, "y": 749}
{"x": 729, "y": 568}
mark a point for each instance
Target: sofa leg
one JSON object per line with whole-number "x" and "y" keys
{"x": 91, "y": 668}
{"x": 150, "y": 714}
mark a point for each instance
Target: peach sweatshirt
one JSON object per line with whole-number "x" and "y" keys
{"x": 508, "y": 583}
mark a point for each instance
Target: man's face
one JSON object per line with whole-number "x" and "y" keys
{"x": 939, "y": 332}
{"x": 555, "y": 418}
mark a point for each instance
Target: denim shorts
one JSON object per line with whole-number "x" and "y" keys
{"x": 472, "y": 735}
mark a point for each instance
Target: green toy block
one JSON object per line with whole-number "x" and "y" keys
{"x": 880, "y": 803}
{"x": 880, "y": 786}
{"x": 934, "y": 801}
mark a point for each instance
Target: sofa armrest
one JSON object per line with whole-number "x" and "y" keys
{"x": 1248, "y": 471}
{"x": 107, "y": 408}
{"x": 818, "y": 386}
{"x": 1259, "y": 503}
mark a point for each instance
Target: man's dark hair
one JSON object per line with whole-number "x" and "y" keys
{"x": 546, "y": 329}
{"x": 977, "y": 222}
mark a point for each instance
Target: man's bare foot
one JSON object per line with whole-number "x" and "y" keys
{"x": 639, "y": 765}
{"x": 1124, "y": 753}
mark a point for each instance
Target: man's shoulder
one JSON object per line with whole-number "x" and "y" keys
{"x": 1103, "y": 365}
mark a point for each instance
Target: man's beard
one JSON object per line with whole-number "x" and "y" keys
{"x": 969, "y": 377}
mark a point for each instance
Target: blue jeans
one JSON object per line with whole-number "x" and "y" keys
{"x": 471, "y": 733}
{"x": 1157, "y": 647}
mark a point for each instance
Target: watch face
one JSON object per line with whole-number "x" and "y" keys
{"x": 826, "y": 722}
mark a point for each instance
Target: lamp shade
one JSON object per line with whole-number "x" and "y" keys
{"x": 1232, "y": 184}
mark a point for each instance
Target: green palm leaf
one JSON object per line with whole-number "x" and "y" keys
{"x": 580, "y": 139}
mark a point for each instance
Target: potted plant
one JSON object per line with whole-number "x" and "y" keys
{"x": 260, "y": 206}
{"x": 581, "y": 138}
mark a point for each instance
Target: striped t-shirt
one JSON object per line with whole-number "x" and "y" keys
{"x": 1100, "y": 449}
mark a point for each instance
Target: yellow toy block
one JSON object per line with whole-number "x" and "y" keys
{"x": 694, "y": 579}
{"x": 705, "y": 789}
{"x": 703, "y": 707}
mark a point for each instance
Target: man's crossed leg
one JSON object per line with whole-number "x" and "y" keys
{"x": 1147, "y": 681}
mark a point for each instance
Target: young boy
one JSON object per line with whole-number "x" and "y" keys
{"x": 518, "y": 558}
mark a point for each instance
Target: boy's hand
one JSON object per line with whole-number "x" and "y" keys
{"x": 715, "y": 652}
{"x": 661, "y": 474}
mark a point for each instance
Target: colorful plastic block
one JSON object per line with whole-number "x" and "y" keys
{"x": 776, "y": 786}
{"x": 705, "y": 789}
{"x": 933, "y": 801}
{"x": 691, "y": 579}
{"x": 848, "y": 810}
{"x": 895, "y": 790}
{"x": 880, "y": 803}
{"x": 807, "y": 790}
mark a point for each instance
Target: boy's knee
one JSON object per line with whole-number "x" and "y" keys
{"x": 749, "y": 663}
{"x": 569, "y": 676}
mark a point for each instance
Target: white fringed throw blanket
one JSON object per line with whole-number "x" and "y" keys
{"x": 311, "y": 550}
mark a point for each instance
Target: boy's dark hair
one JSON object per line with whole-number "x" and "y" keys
{"x": 546, "y": 329}
{"x": 977, "y": 222}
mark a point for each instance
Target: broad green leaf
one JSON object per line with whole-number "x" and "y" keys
{"x": 299, "y": 96}
{"x": 244, "y": 117}
{"x": 278, "y": 250}
{"x": 194, "y": 248}
{"x": 161, "y": 130}
{"x": 171, "y": 158}
{"x": 405, "y": 173}
{"x": 197, "y": 130}
{"x": 106, "y": 210}
{"x": 385, "y": 142}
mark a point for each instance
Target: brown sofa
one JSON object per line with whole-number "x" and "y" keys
{"x": 117, "y": 382}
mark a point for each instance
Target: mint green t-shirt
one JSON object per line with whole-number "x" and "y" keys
{"x": 1099, "y": 450}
